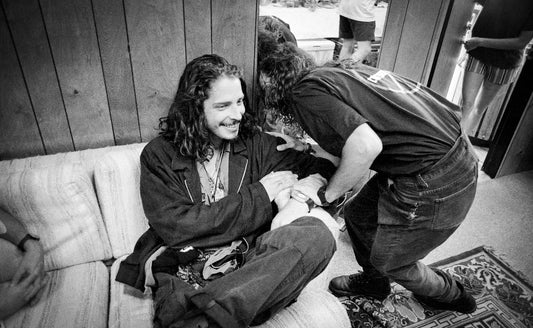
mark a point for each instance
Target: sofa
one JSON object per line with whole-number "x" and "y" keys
{"x": 86, "y": 208}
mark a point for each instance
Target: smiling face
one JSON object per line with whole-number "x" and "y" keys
{"x": 224, "y": 109}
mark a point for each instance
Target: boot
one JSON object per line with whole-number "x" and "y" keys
{"x": 465, "y": 303}
{"x": 361, "y": 284}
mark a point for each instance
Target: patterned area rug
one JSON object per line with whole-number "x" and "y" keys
{"x": 504, "y": 298}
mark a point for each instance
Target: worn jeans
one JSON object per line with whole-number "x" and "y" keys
{"x": 394, "y": 222}
{"x": 276, "y": 270}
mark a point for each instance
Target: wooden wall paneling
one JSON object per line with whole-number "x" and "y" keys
{"x": 255, "y": 86}
{"x": 72, "y": 35}
{"x": 113, "y": 41}
{"x": 519, "y": 156}
{"x": 233, "y": 35}
{"x": 157, "y": 47}
{"x": 512, "y": 138}
{"x": 417, "y": 36}
{"x": 451, "y": 45}
{"x": 19, "y": 134}
{"x": 29, "y": 35}
{"x": 435, "y": 40}
{"x": 392, "y": 34}
{"x": 197, "y": 28}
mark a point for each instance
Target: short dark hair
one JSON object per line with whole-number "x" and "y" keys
{"x": 280, "y": 29}
{"x": 185, "y": 125}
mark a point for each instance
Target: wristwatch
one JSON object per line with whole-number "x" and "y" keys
{"x": 23, "y": 241}
{"x": 302, "y": 198}
{"x": 309, "y": 149}
{"x": 322, "y": 195}
{"x": 310, "y": 204}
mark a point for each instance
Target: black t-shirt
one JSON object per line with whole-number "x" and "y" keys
{"x": 416, "y": 125}
{"x": 502, "y": 19}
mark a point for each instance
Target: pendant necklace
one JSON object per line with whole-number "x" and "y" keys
{"x": 214, "y": 179}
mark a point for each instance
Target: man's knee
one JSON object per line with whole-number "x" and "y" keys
{"x": 309, "y": 235}
{"x": 317, "y": 239}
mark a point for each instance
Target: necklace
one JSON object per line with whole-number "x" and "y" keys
{"x": 214, "y": 178}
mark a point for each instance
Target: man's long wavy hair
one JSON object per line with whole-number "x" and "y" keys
{"x": 185, "y": 125}
{"x": 285, "y": 64}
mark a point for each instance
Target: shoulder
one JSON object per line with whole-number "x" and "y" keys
{"x": 324, "y": 75}
{"x": 158, "y": 150}
{"x": 260, "y": 138}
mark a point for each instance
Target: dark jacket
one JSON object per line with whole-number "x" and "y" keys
{"x": 172, "y": 201}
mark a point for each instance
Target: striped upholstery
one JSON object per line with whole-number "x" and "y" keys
{"x": 117, "y": 183}
{"x": 128, "y": 307}
{"x": 59, "y": 205}
{"x": 73, "y": 297}
{"x": 87, "y": 158}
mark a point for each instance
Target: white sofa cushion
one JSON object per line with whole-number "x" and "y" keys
{"x": 314, "y": 308}
{"x": 128, "y": 307}
{"x": 73, "y": 297}
{"x": 117, "y": 183}
{"x": 59, "y": 205}
{"x": 86, "y": 158}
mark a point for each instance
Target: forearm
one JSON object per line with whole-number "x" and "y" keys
{"x": 200, "y": 225}
{"x": 181, "y": 219}
{"x": 348, "y": 176}
{"x": 293, "y": 210}
{"x": 13, "y": 230}
{"x": 518, "y": 42}
{"x": 358, "y": 154}
{"x": 513, "y": 43}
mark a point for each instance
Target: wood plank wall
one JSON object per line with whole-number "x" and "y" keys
{"x": 78, "y": 74}
{"x": 411, "y": 36}
{"x": 422, "y": 39}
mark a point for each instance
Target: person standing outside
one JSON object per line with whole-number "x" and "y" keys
{"x": 357, "y": 25}
{"x": 495, "y": 51}
{"x": 426, "y": 170}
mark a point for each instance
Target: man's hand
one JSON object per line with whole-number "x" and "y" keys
{"x": 290, "y": 142}
{"x": 283, "y": 198}
{"x": 276, "y": 182}
{"x": 309, "y": 186}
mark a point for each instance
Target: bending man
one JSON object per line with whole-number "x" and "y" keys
{"x": 426, "y": 173}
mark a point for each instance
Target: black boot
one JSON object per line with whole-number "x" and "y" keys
{"x": 465, "y": 303}
{"x": 361, "y": 284}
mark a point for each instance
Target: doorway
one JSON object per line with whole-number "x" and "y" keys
{"x": 315, "y": 24}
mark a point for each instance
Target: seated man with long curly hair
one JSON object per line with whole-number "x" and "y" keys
{"x": 216, "y": 254}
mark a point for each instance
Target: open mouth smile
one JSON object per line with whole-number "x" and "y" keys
{"x": 233, "y": 125}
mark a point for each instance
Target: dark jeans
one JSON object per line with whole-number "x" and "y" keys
{"x": 283, "y": 261}
{"x": 396, "y": 221}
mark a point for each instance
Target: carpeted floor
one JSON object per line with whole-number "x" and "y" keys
{"x": 503, "y": 295}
